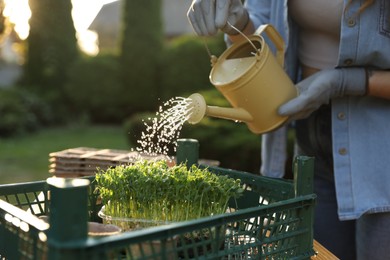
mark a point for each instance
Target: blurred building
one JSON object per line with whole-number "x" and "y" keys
{"x": 10, "y": 60}
{"x": 107, "y": 22}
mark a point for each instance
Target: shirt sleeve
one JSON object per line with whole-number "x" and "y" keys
{"x": 259, "y": 11}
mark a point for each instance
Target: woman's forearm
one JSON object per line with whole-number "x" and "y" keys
{"x": 248, "y": 30}
{"x": 379, "y": 84}
{"x": 378, "y": 80}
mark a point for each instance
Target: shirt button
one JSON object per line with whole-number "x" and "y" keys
{"x": 343, "y": 151}
{"x": 341, "y": 115}
{"x": 351, "y": 22}
{"x": 348, "y": 62}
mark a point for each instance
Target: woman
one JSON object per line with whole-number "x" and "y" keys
{"x": 338, "y": 52}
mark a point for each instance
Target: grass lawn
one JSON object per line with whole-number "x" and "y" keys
{"x": 26, "y": 158}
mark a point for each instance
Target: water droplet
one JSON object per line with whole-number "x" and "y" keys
{"x": 162, "y": 131}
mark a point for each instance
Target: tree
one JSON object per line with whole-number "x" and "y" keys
{"x": 51, "y": 48}
{"x": 2, "y": 18}
{"x": 141, "y": 47}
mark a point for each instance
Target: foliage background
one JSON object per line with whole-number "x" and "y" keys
{"x": 51, "y": 50}
{"x": 62, "y": 87}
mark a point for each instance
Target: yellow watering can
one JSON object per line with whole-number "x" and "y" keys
{"x": 252, "y": 79}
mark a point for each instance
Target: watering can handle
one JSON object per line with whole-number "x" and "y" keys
{"x": 276, "y": 38}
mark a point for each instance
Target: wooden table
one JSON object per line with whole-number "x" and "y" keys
{"x": 322, "y": 252}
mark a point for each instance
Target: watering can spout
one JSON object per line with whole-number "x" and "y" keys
{"x": 200, "y": 109}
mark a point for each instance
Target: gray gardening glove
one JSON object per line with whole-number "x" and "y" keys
{"x": 207, "y": 16}
{"x": 321, "y": 87}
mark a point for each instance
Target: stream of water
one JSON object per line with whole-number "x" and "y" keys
{"x": 162, "y": 131}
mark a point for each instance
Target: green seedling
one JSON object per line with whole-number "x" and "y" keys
{"x": 151, "y": 190}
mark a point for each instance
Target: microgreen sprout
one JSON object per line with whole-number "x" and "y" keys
{"x": 154, "y": 191}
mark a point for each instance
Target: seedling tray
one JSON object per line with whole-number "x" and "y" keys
{"x": 273, "y": 220}
{"x": 83, "y": 161}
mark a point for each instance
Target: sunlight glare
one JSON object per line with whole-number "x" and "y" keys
{"x": 83, "y": 13}
{"x": 18, "y": 13}
{"x": 88, "y": 42}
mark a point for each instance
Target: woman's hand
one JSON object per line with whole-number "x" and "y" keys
{"x": 208, "y": 16}
{"x": 321, "y": 87}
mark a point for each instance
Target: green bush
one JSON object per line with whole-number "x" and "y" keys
{"x": 21, "y": 112}
{"x": 134, "y": 126}
{"x": 51, "y": 50}
{"x": 94, "y": 90}
{"x": 230, "y": 143}
{"x": 141, "y": 45}
{"x": 186, "y": 65}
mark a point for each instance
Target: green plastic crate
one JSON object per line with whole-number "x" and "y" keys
{"x": 273, "y": 220}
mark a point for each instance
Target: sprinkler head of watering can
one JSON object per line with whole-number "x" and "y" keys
{"x": 197, "y": 108}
